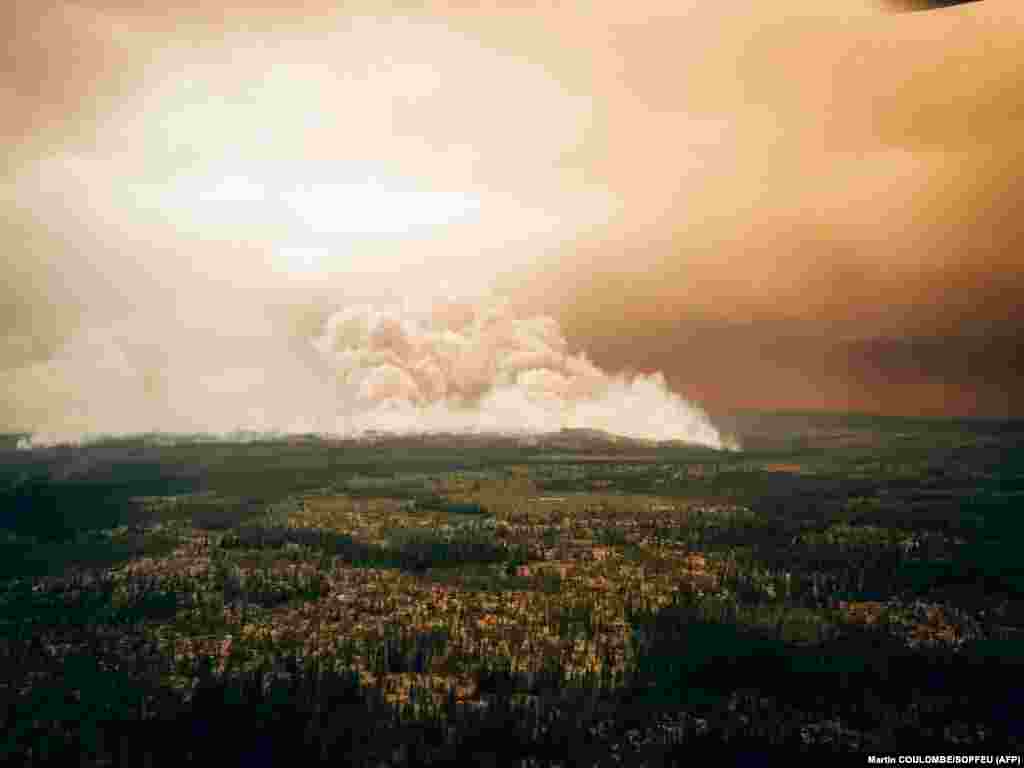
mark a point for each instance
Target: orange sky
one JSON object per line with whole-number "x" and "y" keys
{"x": 800, "y": 205}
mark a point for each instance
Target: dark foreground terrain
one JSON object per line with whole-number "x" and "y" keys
{"x": 844, "y": 583}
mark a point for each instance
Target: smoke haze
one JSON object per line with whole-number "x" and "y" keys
{"x": 801, "y": 205}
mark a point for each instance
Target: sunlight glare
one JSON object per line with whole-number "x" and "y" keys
{"x": 374, "y": 208}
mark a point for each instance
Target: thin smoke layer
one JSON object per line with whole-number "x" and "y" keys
{"x": 455, "y": 366}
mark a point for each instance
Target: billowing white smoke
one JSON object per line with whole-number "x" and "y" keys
{"x": 455, "y": 367}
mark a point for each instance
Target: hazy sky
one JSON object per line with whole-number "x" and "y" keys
{"x": 785, "y": 204}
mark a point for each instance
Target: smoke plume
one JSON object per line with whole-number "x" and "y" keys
{"x": 452, "y": 366}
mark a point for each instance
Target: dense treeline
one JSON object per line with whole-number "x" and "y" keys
{"x": 745, "y": 689}
{"x": 859, "y": 598}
